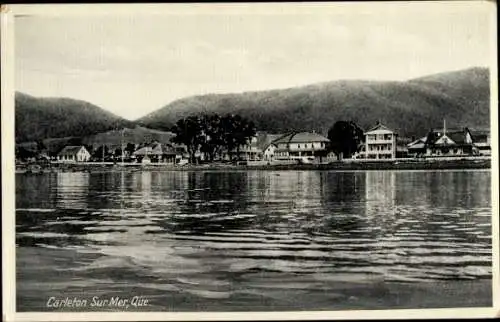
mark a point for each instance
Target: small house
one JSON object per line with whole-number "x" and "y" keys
{"x": 417, "y": 147}
{"x": 156, "y": 153}
{"x": 73, "y": 154}
{"x": 482, "y": 141}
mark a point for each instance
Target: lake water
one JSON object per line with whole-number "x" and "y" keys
{"x": 255, "y": 240}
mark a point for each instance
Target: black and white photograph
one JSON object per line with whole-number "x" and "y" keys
{"x": 250, "y": 159}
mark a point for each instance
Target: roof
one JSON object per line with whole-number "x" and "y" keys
{"x": 417, "y": 144}
{"x": 380, "y": 127}
{"x": 480, "y": 136}
{"x": 264, "y": 140}
{"x": 457, "y": 136}
{"x": 71, "y": 149}
{"x": 301, "y": 137}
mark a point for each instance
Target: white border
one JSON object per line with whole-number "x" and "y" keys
{"x": 8, "y": 187}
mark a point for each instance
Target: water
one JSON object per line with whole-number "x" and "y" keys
{"x": 254, "y": 240}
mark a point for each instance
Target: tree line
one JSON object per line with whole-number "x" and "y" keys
{"x": 212, "y": 133}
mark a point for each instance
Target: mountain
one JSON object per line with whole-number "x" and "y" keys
{"x": 409, "y": 107}
{"x": 40, "y": 118}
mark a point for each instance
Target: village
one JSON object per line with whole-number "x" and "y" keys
{"x": 378, "y": 144}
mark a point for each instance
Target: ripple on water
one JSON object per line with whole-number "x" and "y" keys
{"x": 288, "y": 233}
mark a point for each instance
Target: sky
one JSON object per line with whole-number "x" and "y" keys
{"x": 135, "y": 63}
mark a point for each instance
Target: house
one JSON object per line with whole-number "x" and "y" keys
{"x": 482, "y": 141}
{"x": 73, "y": 154}
{"x": 297, "y": 145}
{"x": 259, "y": 148}
{"x": 247, "y": 152}
{"x": 156, "y": 153}
{"x": 450, "y": 143}
{"x": 417, "y": 147}
{"x": 269, "y": 148}
{"x": 380, "y": 143}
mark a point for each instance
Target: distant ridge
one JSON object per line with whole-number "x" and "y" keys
{"x": 40, "y": 118}
{"x": 410, "y": 107}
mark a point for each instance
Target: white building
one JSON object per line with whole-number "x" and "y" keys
{"x": 74, "y": 154}
{"x": 380, "y": 143}
{"x": 300, "y": 145}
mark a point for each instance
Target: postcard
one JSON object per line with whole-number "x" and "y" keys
{"x": 240, "y": 161}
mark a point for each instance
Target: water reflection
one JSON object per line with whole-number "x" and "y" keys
{"x": 192, "y": 230}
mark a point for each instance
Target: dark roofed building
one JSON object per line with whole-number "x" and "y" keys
{"x": 482, "y": 141}
{"x": 417, "y": 148}
{"x": 450, "y": 143}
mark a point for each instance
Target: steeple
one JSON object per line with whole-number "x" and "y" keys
{"x": 444, "y": 126}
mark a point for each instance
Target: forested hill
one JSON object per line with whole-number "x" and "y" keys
{"x": 410, "y": 107}
{"x": 40, "y": 118}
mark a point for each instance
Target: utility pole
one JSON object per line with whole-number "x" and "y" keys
{"x": 122, "y": 144}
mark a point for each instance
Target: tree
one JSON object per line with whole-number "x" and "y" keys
{"x": 244, "y": 131}
{"x": 101, "y": 152}
{"x": 189, "y": 131}
{"x": 130, "y": 148}
{"x": 118, "y": 152}
{"x": 236, "y": 131}
{"x": 76, "y": 141}
{"x": 40, "y": 146}
{"x": 212, "y": 135}
{"x": 345, "y": 138}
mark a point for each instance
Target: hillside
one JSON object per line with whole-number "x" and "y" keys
{"x": 137, "y": 135}
{"x": 410, "y": 107}
{"x": 112, "y": 139}
{"x": 41, "y": 118}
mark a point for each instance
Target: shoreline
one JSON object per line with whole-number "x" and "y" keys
{"x": 339, "y": 166}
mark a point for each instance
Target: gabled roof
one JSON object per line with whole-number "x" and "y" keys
{"x": 301, "y": 137}
{"x": 264, "y": 141}
{"x": 417, "y": 142}
{"x": 416, "y": 146}
{"x": 457, "y": 136}
{"x": 379, "y": 127}
{"x": 71, "y": 149}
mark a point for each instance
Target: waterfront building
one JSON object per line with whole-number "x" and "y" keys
{"x": 482, "y": 141}
{"x": 156, "y": 153}
{"x": 259, "y": 148}
{"x": 417, "y": 148}
{"x": 73, "y": 154}
{"x": 443, "y": 143}
{"x": 380, "y": 143}
{"x": 299, "y": 145}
